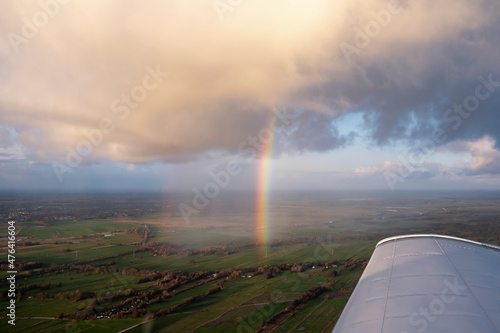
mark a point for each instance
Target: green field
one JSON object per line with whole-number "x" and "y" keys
{"x": 67, "y": 229}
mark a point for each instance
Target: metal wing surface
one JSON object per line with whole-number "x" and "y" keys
{"x": 426, "y": 283}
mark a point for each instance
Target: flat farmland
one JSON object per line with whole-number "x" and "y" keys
{"x": 158, "y": 273}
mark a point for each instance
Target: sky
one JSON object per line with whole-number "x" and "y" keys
{"x": 175, "y": 95}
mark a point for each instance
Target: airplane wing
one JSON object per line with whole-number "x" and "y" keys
{"x": 426, "y": 283}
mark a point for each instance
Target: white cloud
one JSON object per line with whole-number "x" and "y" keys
{"x": 484, "y": 163}
{"x": 485, "y": 158}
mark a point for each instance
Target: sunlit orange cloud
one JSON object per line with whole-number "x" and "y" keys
{"x": 200, "y": 82}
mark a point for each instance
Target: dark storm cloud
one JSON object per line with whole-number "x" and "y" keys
{"x": 407, "y": 90}
{"x": 312, "y": 131}
{"x": 201, "y": 84}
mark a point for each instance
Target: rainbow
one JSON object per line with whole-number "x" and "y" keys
{"x": 263, "y": 190}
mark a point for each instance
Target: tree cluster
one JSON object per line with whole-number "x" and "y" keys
{"x": 295, "y": 305}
